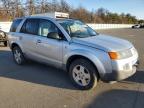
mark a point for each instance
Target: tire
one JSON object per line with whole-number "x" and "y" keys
{"x": 5, "y": 43}
{"x": 85, "y": 79}
{"x": 18, "y": 55}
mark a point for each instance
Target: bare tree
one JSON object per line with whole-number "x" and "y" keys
{"x": 10, "y": 9}
{"x": 30, "y": 7}
{"x": 64, "y": 6}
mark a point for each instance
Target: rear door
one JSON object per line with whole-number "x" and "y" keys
{"x": 28, "y": 32}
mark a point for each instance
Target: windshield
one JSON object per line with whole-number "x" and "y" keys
{"x": 76, "y": 28}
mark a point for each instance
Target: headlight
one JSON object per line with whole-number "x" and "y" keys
{"x": 120, "y": 55}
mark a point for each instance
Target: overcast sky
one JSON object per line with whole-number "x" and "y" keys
{"x": 134, "y": 7}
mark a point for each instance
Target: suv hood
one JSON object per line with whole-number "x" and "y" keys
{"x": 104, "y": 42}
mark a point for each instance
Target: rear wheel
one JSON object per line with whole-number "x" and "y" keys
{"x": 18, "y": 55}
{"x": 83, "y": 74}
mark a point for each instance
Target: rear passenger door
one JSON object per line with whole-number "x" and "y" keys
{"x": 28, "y": 33}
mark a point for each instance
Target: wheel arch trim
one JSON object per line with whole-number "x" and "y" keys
{"x": 97, "y": 63}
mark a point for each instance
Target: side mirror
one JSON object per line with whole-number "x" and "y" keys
{"x": 54, "y": 35}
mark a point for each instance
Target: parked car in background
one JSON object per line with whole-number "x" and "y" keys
{"x": 3, "y": 38}
{"x": 138, "y": 26}
{"x": 142, "y": 26}
{"x": 71, "y": 45}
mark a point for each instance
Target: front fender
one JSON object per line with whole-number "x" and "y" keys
{"x": 97, "y": 57}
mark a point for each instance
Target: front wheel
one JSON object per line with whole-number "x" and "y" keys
{"x": 83, "y": 74}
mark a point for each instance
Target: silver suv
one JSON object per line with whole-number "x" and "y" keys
{"x": 73, "y": 46}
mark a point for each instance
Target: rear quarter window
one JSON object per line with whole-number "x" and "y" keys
{"x": 15, "y": 24}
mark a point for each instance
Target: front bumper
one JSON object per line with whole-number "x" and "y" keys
{"x": 119, "y": 75}
{"x": 122, "y": 69}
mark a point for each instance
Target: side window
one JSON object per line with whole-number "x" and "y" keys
{"x": 15, "y": 24}
{"x": 30, "y": 26}
{"x": 45, "y": 27}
